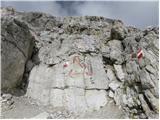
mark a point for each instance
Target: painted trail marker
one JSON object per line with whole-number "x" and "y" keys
{"x": 140, "y": 54}
{"x": 66, "y": 64}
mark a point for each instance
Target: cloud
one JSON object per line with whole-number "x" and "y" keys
{"x": 138, "y": 14}
{"x": 93, "y": 9}
{"x": 43, "y": 6}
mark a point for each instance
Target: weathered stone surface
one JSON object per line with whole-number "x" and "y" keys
{"x": 7, "y": 101}
{"x": 110, "y": 74}
{"x": 146, "y": 80}
{"x": 131, "y": 67}
{"x": 117, "y": 97}
{"x": 111, "y": 94}
{"x": 86, "y": 43}
{"x": 78, "y": 62}
{"x": 114, "y": 85}
{"x": 118, "y": 31}
{"x": 132, "y": 46}
{"x": 144, "y": 105}
{"x": 17, "y": 47}
{"x": 29, "y": 66}
{"x": 43, "y": 115}
{"x": 150, "y": 69}
{"x": 152, "y": 100}
{"x": 96, "y": 99}
{"x": 113, "y": 50}
{"x": 56, "y": 97}
{"x": 99, "y": 78}
{"x": 75, "y": 100}
{"x": 119, "y": 72}
{"x": 62, "y": 85}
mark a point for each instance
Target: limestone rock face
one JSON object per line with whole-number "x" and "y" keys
{"x": 118, "y": 31}
{"x": 78, "y": 63}
{"x": 17, "y": 45}
{"x": 113, "y": 51}
{"x": 71, "y": 86}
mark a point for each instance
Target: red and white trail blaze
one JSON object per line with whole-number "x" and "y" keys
{"x": 140, "y": 54}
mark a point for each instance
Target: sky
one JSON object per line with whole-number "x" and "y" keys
{"x": 133, "y": 13}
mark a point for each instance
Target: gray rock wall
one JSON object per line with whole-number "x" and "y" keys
{"x": 80, "y": 62}
{"x": 17, "y": 45}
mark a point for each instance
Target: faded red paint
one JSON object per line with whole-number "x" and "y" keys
{"x": 89, "y": 74}
{"x": 88, "y": 67}
{"x": 66, "y": 64}
{"x": 140, "y": 54}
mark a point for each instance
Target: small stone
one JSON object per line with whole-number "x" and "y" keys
{"x": 49, "y": 117}
{"x": 7, "y": 96}
{"x": 138, "y": 37}
{"x": 119, "y": 72}
{"x": 114, "y": 85}
{"x": 142, "y": 116}
{"x": 134, "y": 111}
{"x": 4, "y": 100}
{"x": 111, "y": 94}
{"x": 110, "y": 74}
{"x": 58, "y": 112}
{"x": 118, "y": 31}
{"x": 118, "y": 96}
{"x": 10, "y": 102}
{"x": 124, "y": 99}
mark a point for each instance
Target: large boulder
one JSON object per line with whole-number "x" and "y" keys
{"x": 17, "y": 47}
{"x": 70, "y": 84}
{"x": 113, "y": 50}
{"x": 118, "y": 31}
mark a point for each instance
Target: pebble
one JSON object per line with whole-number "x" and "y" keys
{"x": 7, "y": 96}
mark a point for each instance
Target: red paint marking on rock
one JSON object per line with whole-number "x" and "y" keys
{"x": 89, "y": 74}
{"x": 140, "y": 54}
{"x": 66, "y": 65}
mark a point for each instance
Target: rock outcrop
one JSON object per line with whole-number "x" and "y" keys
{"x": 17, "y": 45}
{"x": 78, "y": 63}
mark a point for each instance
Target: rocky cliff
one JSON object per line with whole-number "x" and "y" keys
{"x": 79, "y": 63}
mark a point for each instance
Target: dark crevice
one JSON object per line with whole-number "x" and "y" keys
{"x": 108, "y": 61}
{"x": 61, "y": 40}
{"x": 66, "y": 87}
{"x": 88, "y": 52}
{"x": 148, "y": 103}
{"x": 50, "y": 42}
{"x": 61, "y": 88}
{"x": 96, "y": 89}
{"x": 51, "y": 65}
{"x": 123, "y": 45}
{"x": 59, "y": 25}
{"x": 25, "y": 79}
